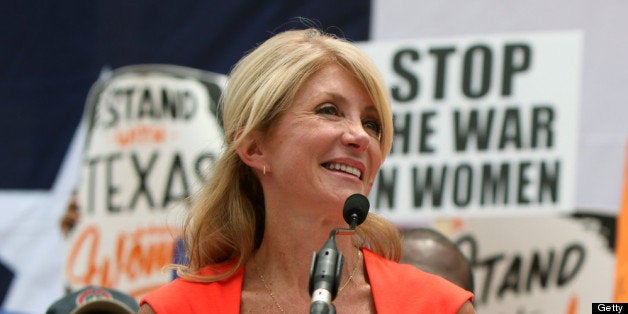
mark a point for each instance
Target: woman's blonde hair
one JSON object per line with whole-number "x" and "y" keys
{"x": 227, "y": 220}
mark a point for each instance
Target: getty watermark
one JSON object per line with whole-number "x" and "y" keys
{"x": 609, "y": 308}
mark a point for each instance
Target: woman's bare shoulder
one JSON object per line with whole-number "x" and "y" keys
{"x": 467, "y": 308}
{"x": 146, "y": 309}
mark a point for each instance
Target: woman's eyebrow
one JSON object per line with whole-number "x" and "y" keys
{"x": 336, "y": 97}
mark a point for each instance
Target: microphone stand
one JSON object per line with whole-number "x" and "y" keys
{"x": 326, "y": 271}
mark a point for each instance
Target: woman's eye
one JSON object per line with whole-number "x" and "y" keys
{"x": 327, "y": 109}
{"x": 374, "y": 126}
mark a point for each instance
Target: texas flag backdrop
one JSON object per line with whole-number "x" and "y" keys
{"x": 53, "y": 52}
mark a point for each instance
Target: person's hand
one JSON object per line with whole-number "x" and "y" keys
{"x": 71, "y": 216}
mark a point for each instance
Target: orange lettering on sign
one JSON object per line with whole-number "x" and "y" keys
{"x": 138, "y": 255}
{"x": 140, "y": 134}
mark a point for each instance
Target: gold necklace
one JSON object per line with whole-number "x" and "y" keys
{"x": 355, "y": 268}
{"x": 268, "y": 289}
{"x": 272, "y": 295}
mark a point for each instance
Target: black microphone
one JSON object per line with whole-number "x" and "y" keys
{"x": 355, "y": 210}
{"x": 326, "y": 267}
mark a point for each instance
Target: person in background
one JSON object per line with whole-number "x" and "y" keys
{"x": 94, "y": 300}
{"x": 433, "y": 252}
{"x": 307, "y": 123}
{"x": 71, "y": 216}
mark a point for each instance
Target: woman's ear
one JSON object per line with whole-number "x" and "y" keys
{"x": 250, "y": 150}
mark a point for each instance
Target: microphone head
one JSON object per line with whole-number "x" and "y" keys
{"x": 356, "y": 208}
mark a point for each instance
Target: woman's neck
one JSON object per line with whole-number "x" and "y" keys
{"x": 287, "y": 248}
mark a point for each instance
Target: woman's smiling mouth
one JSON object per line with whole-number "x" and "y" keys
{"x": 344, "y": 168}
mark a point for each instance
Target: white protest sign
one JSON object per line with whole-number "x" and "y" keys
{"x": 483, "y": 125}
{"x": 537, "y": 264}
{"x": 152, "y": 134}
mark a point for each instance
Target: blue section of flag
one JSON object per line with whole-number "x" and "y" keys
{"x": 6, "y": 278}
{"x": 53, "y": 51}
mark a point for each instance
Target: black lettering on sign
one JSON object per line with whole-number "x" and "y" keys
{"x": 401, "y": 133}
{"x": 146, "y": 102}
{"x": 542, "y": 127}
{"x": 495, "y": 184}
{"x": 410, "y": 125}
{"x": 522, "y": 272}
{"x": 104, "y": 173}
{"x": 401, "y": 67}
{"x": 430, "y": 182}
{"x": 441, "y": 54}
{"x": 476, "y": 77}
{"x": 142, "y": 174}
{"x": 477, "y": 63}
{"x": 92, "y": 164}
{"x": 463, "y": 176}
{"x": 572, "y": 261}
{"x": 517, "y": 58}
{"x": 112, "y": 189}
{"x": 427, "y": 130}
{"x": 473, "y": 129}
{"x": 386, "y": 186}
{"x": 487, "y": 184}
{"x": 503, "y": 128}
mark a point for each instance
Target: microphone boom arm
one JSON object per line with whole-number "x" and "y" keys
{"x": 327, "y": 264}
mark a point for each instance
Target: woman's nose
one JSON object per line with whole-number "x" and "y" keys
{"x": 355, "y": 136}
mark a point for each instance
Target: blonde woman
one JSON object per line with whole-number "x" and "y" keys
{"x": 307, "y": 123}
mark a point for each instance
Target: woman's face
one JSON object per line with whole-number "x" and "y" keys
{"x": 326, "y": 146}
